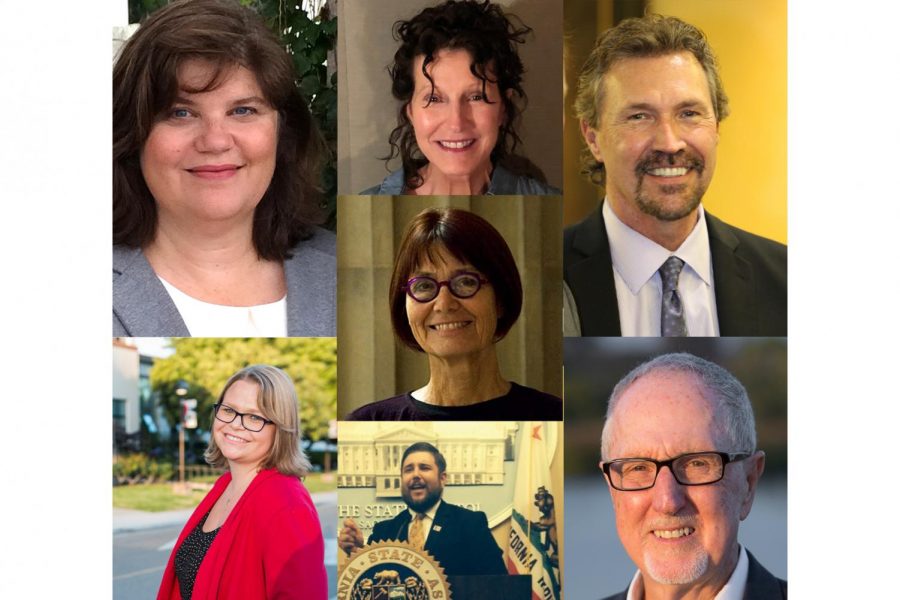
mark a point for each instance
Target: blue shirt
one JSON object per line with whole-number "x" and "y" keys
{"x": 503, "y": 183}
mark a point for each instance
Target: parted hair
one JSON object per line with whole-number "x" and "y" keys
{"x": 145, "y": 85}
{"x": 439, "y": 459}
{"x": 469, "y": 238}
{"x": 728, "y": 397}
{"x": 490, "y": 37}
{"x": 641, "y": 37}
{"x": 277, "y": 401}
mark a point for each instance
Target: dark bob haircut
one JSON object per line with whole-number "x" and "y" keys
{"x": 439, "y": 459}
{"x": 145, "y": 85}
{"x": 470, "y": 239}
{"x": 490, "y": 37}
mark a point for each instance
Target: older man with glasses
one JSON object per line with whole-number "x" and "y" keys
{"x": 679, "y": 455}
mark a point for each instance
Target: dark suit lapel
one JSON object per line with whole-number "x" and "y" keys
{"x": 437, "y": 535}
{"x": 736, "y": 298}
{"x": 761, "y": 585}
{"x": 591, "y": 279}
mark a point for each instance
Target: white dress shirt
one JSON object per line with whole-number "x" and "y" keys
{"x": 636, "y": 261}
{"x": 733, "y": 590}
{"x": 427, "y": 520}
{"x": 216, "y": 320}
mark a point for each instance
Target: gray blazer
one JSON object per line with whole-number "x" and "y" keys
{"x": 143, "y": 308}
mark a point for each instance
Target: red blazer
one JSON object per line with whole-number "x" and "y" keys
{"x": 270, "y": 546}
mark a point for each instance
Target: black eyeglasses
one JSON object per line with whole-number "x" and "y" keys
{"x": 254, "y": 423}
{"x": 696, "y": 468}
{"x": 462, "y": 285}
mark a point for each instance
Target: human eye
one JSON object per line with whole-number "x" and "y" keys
{"x": 423, "y": 285}
{"x": 640, "y": 116}
{"x": 180, "y": 113}
{"x": 227, "y": 411}
{"x": 244, "y": 111}
{"x": 256, "y": 419}
{"x": 636, "y": 467}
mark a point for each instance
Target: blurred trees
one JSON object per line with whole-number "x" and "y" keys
{"x": 203, "y": 366}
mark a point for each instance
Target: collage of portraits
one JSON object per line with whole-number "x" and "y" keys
{"x": 469, "y": 299}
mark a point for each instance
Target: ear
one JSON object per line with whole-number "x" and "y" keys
{"x": 408, "y": 109}
{"x": 444, "y": 478}
{"x": 590, "y": 138}
{"x": 753, "y": 469}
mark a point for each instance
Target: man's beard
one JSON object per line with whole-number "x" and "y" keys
{"x": 662, "y": 569}
{"x": 658, "y": 208}
{"x": 429, "y": 500}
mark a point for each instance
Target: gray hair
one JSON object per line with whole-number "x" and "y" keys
{"x": 734, "y": 412}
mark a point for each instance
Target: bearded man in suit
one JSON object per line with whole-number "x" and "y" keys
{"x": 650, "y": 261}
{"x": 458, "y": 538}
{"x": 679, "y": 454}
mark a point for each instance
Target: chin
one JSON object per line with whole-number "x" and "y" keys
{"x": 676, "y": 570}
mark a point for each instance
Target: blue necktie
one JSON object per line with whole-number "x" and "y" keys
{"x": 672, "y": 315}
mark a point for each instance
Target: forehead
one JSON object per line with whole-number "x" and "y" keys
{"x": 663, "y": 414}
{"x": 243, "y": 395}
{"x": 434, "y": 257}
{"x": 419, "y": 458}
{"x": 657, "y": 81}
{"x": 197, "y": 76}
{"x": 449, "y": 67}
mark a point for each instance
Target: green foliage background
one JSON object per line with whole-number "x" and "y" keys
{"x": 205, "y": 364}
{"x": 309, "y": 42}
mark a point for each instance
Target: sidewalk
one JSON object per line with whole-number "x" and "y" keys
{"x": 126, "y": 519}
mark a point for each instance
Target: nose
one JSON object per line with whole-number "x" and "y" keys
{"x": 668, "y": 137}
{"x": 460, "y": 115}
{"x": 214, "y": 136}
{"x": 668, "y": 494}
{"x": 445, "y": 300}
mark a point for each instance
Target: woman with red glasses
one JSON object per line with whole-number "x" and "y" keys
{"x": 455, "y": 293}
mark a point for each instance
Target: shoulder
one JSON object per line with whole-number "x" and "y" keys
{"x": 585, "y": 237}
{"x": 761, "y": 583}
{"x": 124, "y": 257}
{"x": 744, "y": 240}
{"x": 280, "y": 494}
{"x": 383, "y": 410}
{"x": 503, "y": 182}
{"x": 321, "y": 244}
{"x": 619, "y": 596}
{"x": 453, "y": 511}
{"x": 391, "y": 186}
{"x": 539, "y": 405}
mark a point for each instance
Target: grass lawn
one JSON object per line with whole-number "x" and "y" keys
{"x": 156, "y": 497}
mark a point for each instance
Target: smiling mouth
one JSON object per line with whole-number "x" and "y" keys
{"x": 671, "y": 534}
{"x": 215, "y": 171}
{"x": 455, "y": 145}
{"x": 668, "y": 171}
{"x": 233, "y": 438}
{"x": 450, "y": 326}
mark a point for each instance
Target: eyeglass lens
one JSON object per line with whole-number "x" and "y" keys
{"x": 425, "y": 289}
{"x": 250, "y": 422}
{"x": 690, "y": 469}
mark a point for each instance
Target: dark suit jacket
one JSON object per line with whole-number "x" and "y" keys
{"x": 761, "y": 585}
{"x": 460, "y": 540}
{"x": 749, "y": 271}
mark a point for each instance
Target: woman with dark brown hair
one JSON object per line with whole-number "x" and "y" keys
{"x": 458, "y": 79}
{"x": 454, "y": 294}
{"x": 214, "y": 183}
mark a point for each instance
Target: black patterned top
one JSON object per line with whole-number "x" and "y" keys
{"x": 189, "y": 556}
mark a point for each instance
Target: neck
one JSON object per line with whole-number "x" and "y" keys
{"x": 435, "y": 182}
{"x": 668, "y": 234}
{"x": 241, "y": 477}
{"x": 461, "y": 381}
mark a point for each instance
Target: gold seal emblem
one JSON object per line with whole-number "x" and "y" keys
{"x": 392, "y": 571}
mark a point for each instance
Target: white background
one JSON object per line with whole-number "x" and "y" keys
{"x": 55, "y": 189}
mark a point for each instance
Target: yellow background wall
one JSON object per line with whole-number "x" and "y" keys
{"x": 749, "y": 37}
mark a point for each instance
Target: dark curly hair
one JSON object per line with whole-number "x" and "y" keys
{"x": 490, "y": 37}
{"x": 145, "y": 84}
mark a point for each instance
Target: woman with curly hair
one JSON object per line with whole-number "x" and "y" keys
{"x": 458, "y": 77}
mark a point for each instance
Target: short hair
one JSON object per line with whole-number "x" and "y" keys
{"x": 145, "y": 85}
{"x": 439, "y": 459}
{"x": 734, "y": 413}
{"x": 277, "y": 401}
{"x": 490, "y": 38}
{"x": 641, "y": 37}
{"x": 470, "y": 239}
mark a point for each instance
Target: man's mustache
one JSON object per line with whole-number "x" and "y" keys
{"x": 657, "y": 159}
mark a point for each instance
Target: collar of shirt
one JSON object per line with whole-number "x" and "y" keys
{"x": 636, "y": 258}
{"x": 733, "y": 590}
{"x": 427, "y": 518}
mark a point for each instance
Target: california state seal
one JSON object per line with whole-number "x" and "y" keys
{"x": 392, "y": 571}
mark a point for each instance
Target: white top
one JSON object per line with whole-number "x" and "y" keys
{"x": 636, "y": 261}
{"x": 427, "y": 520}
{"x": 733, "y": 590}
{"x": 216, "y": 320}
